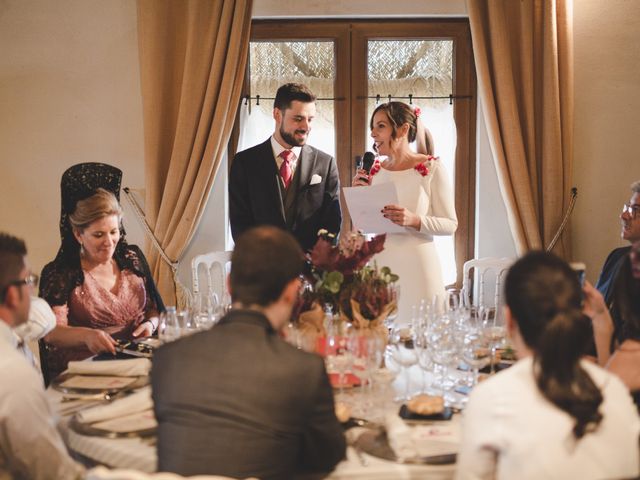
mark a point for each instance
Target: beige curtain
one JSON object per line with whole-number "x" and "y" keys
{"x": 524, "y": 59}
{"x": 192, "y": 60}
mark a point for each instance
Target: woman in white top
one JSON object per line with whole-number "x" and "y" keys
{"x": 552, "y": 414}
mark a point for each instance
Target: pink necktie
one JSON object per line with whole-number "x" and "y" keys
{"x": 285, "y": 168}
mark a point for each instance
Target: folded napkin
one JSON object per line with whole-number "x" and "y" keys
{"x": 137, "y": 402}
{"x": 400, "y": 437}
{"x": 41, "y": 321}
{"x": 134, "y": 367}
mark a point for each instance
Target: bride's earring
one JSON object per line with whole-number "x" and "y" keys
{"x": 81, "y": 250}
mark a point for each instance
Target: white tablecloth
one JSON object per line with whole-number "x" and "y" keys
{"x": 140, "y": 454}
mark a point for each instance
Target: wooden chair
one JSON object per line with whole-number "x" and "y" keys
{"x": 215, "y": 267}
{"x": 484, "y": 270}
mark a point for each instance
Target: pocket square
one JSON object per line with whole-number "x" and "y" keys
{"x": 315, "y": 179}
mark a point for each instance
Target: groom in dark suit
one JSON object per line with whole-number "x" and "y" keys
{"x": 237, "y": 400}
{"x": 284, "y": 182}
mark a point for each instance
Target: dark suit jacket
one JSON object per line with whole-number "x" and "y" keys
{"x": 255, "y": 197}
{"x": 237, "y": 400}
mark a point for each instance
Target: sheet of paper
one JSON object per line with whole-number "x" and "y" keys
{"x": 97, "y": 382}
{"x": 365, "y": 205}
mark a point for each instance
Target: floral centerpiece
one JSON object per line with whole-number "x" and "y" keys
{"x": 343, "y": 277}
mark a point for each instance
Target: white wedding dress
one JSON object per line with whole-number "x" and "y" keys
{"x": 412, "y": 255}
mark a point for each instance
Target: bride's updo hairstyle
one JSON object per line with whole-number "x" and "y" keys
{"x": 400, "y": 113}
{"x": 544, "y": 296}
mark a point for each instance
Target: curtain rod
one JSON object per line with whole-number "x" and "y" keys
{"x": 376, "y": 97}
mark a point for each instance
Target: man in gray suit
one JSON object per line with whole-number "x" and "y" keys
{"x": 237, "y": 400}
{"x": 283, "y": 181}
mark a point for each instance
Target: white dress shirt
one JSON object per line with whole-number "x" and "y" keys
{"x": 278, "y": 149}
{"x": 30, "y": 445}
{"x": 510, "y": 431}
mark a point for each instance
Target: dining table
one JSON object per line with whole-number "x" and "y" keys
{"x": 139, "y": 453}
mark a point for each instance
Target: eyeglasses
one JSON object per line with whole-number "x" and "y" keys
{"x": 631, "y": 210}
{"x": 30, "y": 280}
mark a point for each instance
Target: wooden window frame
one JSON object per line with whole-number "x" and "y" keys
{"x": 351, "y": 37}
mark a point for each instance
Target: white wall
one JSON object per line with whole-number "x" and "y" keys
{"x": 607, "y": 125}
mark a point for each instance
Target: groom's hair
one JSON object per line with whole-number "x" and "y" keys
{"x": 289, "y": 92}
{"x": 264, "y": 261}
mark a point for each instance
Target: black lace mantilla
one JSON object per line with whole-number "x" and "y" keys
{"x": 62, "y": 275}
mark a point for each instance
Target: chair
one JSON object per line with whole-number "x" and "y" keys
{"x": 216, "y": 266}
{"x": 484, "y": 270}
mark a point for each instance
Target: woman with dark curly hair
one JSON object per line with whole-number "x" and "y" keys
{"x": 99, "y": 287}
{"x": 552, "y": 414}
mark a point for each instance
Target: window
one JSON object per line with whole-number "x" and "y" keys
{"x": 352, "y": 65}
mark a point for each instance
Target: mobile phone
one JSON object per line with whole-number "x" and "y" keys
{"x": 579, "y": 268}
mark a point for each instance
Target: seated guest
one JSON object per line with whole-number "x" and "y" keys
{"x": 625, "y": 360}
{"x": 237, "y": 400}
{"x": 630, "y": 221}
{"x": 99, "y": 287}
{"x": 30, "y": 446}
{"x": 552, "y": 415}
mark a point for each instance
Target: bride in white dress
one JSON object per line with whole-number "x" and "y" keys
{"x": 426, "y": 204}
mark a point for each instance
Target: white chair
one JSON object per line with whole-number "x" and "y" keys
{"x": 215, "y": 267}
{"x": 484, "y": 270}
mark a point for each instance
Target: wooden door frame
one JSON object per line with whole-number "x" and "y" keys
{"x": 350, "y": 88}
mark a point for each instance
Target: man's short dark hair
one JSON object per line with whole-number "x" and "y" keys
{"x": 635, "y": 187}
{"x": 289, "y": 92}
{"x": 264, "y": 260}
{"x": 12, "y": 253}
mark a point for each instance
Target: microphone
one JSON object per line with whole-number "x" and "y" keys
{"x": 367, "y": 161}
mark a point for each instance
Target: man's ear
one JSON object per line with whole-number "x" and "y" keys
{"x": 12, "y": 296}
{"x": 277, "y": 115}
{"x": 227, "y": 281}
{"x": 291, "y": 291}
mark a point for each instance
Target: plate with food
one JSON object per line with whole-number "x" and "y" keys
{"x": 425, "y": 408}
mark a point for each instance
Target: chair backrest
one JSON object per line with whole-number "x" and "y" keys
{"x": 484, "y": 270}
{"x": 214, "y": 267}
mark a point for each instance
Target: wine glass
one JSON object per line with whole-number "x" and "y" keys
{"x": 205, "y": 312}
{"x": 476, "y": 352}
{"x": 494, "y": 329}
{"x": 338, "y": 357}
{"x": 402, "y": 343}
{"x": 169, "y": 328}
{"x": 394, "y": 295}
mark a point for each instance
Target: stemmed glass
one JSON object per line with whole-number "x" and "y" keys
{"x": 394, "y": 295}
{"x": 338, "y": 357}
{"x": 366, "y": 351}
{"x": 206, "y": 310}
{"x": 402, "y": 343}
{"x": 445, "y": 352}
{"x": 494, "y": 330}
{"x": 476, "y": 352}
